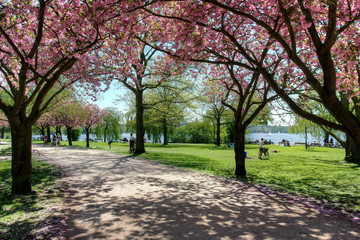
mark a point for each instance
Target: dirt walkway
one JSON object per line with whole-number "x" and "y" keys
{"x": 118, "y": 197}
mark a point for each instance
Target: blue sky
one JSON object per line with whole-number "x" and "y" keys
{"x": 106, "y": 100}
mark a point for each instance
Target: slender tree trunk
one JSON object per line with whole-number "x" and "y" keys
{"x": 21, "y": 166}
{"x": 140, "y": 146}
{"x": 165, "y": 132}
{"x": 105, "y": 133}
{"x": 239, "y": 149}
{"x": 218, "y": 129}
{"x": 68, "y": 130}
{"x": 87, "y": 137}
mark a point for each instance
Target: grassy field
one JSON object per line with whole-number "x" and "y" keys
{"x": 34, "y": 216}
{"x": 319, "y": 173}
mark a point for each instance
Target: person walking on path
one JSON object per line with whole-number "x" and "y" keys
{"x": 58, "y": 139}
{"x": 109, "y": 141}
{"x": 44, "y": 137}
{"x": 261, "y": 148}
{"x": 132, "y": 143}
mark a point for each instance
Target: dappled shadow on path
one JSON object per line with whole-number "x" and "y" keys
{"x": 116, "y": 197}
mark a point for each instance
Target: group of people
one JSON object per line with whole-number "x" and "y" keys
{"x": 328, "y": 143}
{"x": 55, "y": 141}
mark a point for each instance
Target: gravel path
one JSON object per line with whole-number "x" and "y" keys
{"x": 119, "y": 197}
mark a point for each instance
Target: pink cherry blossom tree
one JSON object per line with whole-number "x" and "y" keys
{"x": 249, "y": 93}
{"x": 138, "y": 67}
{"x": 70, "y": 116}
{"x": 45, "y": 47}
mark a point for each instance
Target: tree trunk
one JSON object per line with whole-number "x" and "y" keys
{"x": 21, "y": 166}
{"x": 48, "y": 133}
{"x": 218, "y": 129}
{"x": 68, "y": 131}
{"x": 239, "y": 149}
{"x": 105, "y": 133}
{"x": 352, "y": 151}
{"x": 87, "y": 137}
{"x": 139, "y": 147}
{"x": 42, "y": 131}
{"x": 165, "y": 132}
{"x": 327, "y": 136}
{"x": 58, "y": 130}
{"x": 2, "y": 132}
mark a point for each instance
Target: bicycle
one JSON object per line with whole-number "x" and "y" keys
{"x": 309, "y": 146}
{"x": 266, "y": 153}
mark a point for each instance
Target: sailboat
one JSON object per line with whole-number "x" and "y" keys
{"x": 269, "y": 134}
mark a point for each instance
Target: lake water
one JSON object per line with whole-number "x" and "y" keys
{"x": 278, "y": 137}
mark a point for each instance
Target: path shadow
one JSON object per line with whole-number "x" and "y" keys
{"x": 117, "y": 197}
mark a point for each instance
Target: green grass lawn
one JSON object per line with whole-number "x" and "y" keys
{"x": 319, "y": 173}
{"x": 37, "y": 215}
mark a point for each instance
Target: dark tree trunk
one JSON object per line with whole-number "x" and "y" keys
{"x": 58, "y": 130}
{"x": 352, "y": 151}
{"x": 2, "y": 132}
{"x": 87, "y": 137}
{"x": 68, "y": 131}
{"x": 21, "y": 166}
{"x": 327, "y": 136}
{"x": 218, "y": 129}
{"x": 165, "y": 131}
{"x": 140, "y": 146}
{"x": 48, "y": 134}
{"x": 239, "y": 149}
{"x": 42, "y": 131}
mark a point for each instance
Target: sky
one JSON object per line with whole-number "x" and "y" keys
{"x": 107, "y": 99}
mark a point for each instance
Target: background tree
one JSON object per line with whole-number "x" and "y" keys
{"x": 70, "y": 116}
{"x": 43, "y": 123}
{"x": 219, "y": 115}
{"x": 91, "y": 116}
{"x": 110, "y": 125}
{"x": 167, "y": 104}
{"x": 198, "y": 131}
